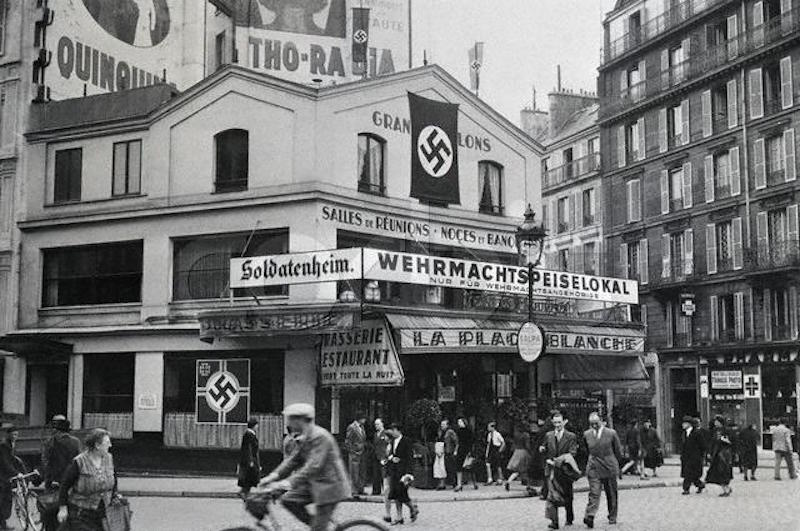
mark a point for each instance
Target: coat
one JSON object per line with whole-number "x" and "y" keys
{"x": 555, "y": 448}
{"x": 748, "y": 448}
{"x": 720, "y": 471}
{"x": 450, "y": 440}
{"x": 355, "y": 439}
{"x": 316, "y": 471}
{"x": 651, "y": 448}
{"x": 57, "y": 455}
{"x": 249, "y": 461}
{"x": 9, "y": 465}
{"x": 605, "y": 453}
{"x": 693, "y": 450}
{"x": 404, "y": 454}
{"x": 781, "y": 438}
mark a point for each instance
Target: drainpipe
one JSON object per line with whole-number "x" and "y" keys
{"x": 746, "y": 172}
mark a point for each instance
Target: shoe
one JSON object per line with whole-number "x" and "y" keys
{"x": 414, "y": 513}
{"x": 685, "y": 493}
{"x": 398, "y": 522}
{"x": 488, "y": 483}
{"x": 498, "y": 482}
{"x": 753, "y": 478}
{"x": 440, "y": 487}
{"x": 612, "y": 521}
{"x": 507, "y": 485}
{"x": 459, "y": 488}
{"x": 475, "y": 486}
{"x": 552, "y": 525}
{"x": 356, "y": 497}
{"x": 746, "y": 478}
{"x": 589, "y": 522}
{"x": 700, "y": 488}
{"x": 387, "y": 519}
{"x": 777, "y": 479}
{"x": 569, "y": 523}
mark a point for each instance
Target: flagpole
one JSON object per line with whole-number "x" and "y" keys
{"x": 477, "y": 74}
{"x": 410, "y": 39}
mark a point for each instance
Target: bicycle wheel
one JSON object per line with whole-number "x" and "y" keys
{"x": 34, "y": 516}
{"x": 359, "y": 524}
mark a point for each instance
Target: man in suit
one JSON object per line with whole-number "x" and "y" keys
{"x": 782, "y": 445}
{"x": 249, "y": 459}
{"x": 57, "y": 454}
{"x": 9, "y": 467}
{"x": 315, "y": 472}
{"x": 693, "y": 451}
{"x": 602, "y": 468}
{"x": 558, "y": 442}
{"x": 355, "y": 442}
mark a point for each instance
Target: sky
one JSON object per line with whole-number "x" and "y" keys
{"x": 524, "y": 41}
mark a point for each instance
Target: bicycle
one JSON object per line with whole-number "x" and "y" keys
{"x": 260, "y": 506}
{"x": 25, "y": 501}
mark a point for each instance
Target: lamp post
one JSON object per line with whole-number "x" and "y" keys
{"x": 530, "y": 243}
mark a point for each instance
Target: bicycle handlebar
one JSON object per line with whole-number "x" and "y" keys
{"x": 24, "y": 477}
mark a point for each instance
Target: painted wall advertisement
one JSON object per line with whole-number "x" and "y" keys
{"x": 363, "y": 356}
{"x": 109, "y": 45}
{"x": 301, "y": 40}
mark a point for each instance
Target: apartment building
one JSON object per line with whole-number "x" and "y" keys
{"x": 698, "y": 117}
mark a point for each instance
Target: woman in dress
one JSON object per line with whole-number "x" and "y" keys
{"x": 521, "y": 458}
{"x": 748, "y": 451}
{"x": 720, "y": 471}
{"x": 466, "y": 439}
{"x": 398, "y": 464}
{"x": 652, "y": 453}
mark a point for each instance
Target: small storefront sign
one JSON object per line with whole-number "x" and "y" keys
{"x": 275, "y": 321}
{"x": 222, "y": 391}
{"x": 530, "y": 342}
{"x": 362, "y": 356}
{"x": 147, "y": 401}
{"x": 726, "y": 380}
{"x": 593, "y": 342}
{"x": 752, "y": 386}
{"x": 296, "y": 268}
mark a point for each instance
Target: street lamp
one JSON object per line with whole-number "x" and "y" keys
{"x": 530, "y": 242}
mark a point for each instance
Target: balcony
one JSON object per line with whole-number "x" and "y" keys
{"x": 681, "y": 339}
{"x": 571, "y": 171}
{"x": 671, "y": 18}
{"x": 722, "y": 191}
{"x": 781, "y": 332}
{"x": 727, "y": 335}
{"x": 368, "y": 187}
{"x": 775, "y": 256}
{"x": 589, "y": 219}
{"x": 677, "y": 276}
{"x": 222, "y": 186}
{"x": 776, "y": 176}
{"x": 563, "y": 226}
{"x": 724, "y": 263}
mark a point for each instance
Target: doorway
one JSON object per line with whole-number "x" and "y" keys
{"x": 684, "y": 399}
{"x": 47, "y": 392}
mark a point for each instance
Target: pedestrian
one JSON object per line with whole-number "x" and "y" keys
{"x": 633, "y": 448}
{"x": 782, "y": 445}
{"x": 602, "y": 468}
{"x": 249, "y": 472}
{"x": 720, "y": 469}
{"x": 380, "y": 484}
{"x": 88, "y": 485}
{"x": 693, "y": 451}
{"x": 557, "y": 444}
{"x": 399, "y": 466}
{"x": 543, "y": 427}
{"x": 733, "y": 434}
{"x": 521, "y": 458}
{"x": 450, "y": 441}
{"x": 57, "y": 454}
{"x": 495, "y": 445}
{"x": 748, "y": 451}
{"x": 466, "y": 441}
{"x": 439, "y": 469}
{"x": 9, "y": 467}
{"x": 355, "y": 442}
{"x": 652, "y": 453}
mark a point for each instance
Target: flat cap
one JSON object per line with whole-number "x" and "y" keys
{"x": 299, "y": 409}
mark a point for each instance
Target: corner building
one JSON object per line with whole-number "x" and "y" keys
{"x": 698, "y": 120}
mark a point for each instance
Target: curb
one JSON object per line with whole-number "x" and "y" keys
{"x": 379, "y": 499}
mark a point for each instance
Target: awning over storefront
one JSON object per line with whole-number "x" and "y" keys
{"x": 594, "y": 372}
{"x": 33, "y": 345}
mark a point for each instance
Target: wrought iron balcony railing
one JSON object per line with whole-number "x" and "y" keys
{"x": 571, "y": 170}
{"x": 775, "y": 255}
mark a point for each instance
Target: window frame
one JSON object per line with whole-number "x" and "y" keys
{"x": 231, "y": 185}
{"x": 367, "y": 186}
{"x": 70, "y": 184}
{"x": 499, "y": 209}
{"x": 127, "y": 177}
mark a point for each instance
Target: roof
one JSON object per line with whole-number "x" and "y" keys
{"x": 579, "y": 121}
{"x": 100, "y": 108}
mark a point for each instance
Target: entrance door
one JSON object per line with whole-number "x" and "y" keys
{"x": 48, "y": 388}
{"x": 684, "y": 399}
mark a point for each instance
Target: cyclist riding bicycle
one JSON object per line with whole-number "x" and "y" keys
{"x": 314, "y": 473}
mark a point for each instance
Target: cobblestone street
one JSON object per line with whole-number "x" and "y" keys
{"x": 765, "y": 506}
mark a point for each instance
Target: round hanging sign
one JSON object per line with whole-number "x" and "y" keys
{"x": 530, "y": 342}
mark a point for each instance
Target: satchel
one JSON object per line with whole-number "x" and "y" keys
{"x": 118, "y": 516}
{"x": 469, "y": 462}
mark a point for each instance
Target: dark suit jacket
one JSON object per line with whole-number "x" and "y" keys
{"x": 355, "y": 439}
{"x": 58, "y": 454}
{"x": 8, "y": 463}
{"x": 605, "y": 453}
{"x": 554, "y": 448}
{"x": 693, "y": 450}
{"x": 404, "y": 453}
{"x": 249, "y": 461}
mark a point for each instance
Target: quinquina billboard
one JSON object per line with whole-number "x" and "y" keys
{"x": 302, "y": 40}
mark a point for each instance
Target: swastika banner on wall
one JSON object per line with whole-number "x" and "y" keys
{"x": 223, "y": 391}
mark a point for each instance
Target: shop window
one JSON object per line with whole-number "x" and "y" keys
{"x": 779, "y": 395}
{"x": 371, "y": 165}
{"x": 127, "y": 170}
{"x": 95, "y": 274}
{"x": 232, "y": 160}
{"x": 491, "y": 187}
{"x": 68, "y": 170}
{"x": 108, "y": 383}
{"x": 201, "y": 266}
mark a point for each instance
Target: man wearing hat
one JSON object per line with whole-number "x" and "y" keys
{"x": 315, "y": 472}
{"x": 693, "y": 449}
{"x": 8, "y": 469}
{"x": 57, "y": 454}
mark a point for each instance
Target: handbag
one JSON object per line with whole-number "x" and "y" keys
{"x": 47, "y": 502}
{"x": 118, "y": 516}
{"x": 469, "y": 462}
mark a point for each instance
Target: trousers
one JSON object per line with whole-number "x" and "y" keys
{"x": 688, "y": 482}
{"x": 354, "y": 466}
{"x": 789, "y": 458}
{"x": 596, "y": 486}
{"x": 320, "y": 521}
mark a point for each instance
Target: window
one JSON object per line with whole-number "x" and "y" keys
{"x": 677, "y": 255}
{"x": 562, "y": 213}
{"x": 232, "y": 149}
{"x": 775, "y": 159}
{"x": 676, "y": 190}
{"x": 632, "y": 138}
{"x": 724, "y": 246}
{"x": 634, "y": 263}
{"x": 219, "y": 50}
{"x": 676, "y": 63}
{"x": 776, "y": 304}
{"x": 722, "y": 176}
{"x": 590, "y": 258}
{"x": 68, "y": 170}
{"x": 633, "y": 260}
{"x": 589, "y": 207}
{"x": 727, "y": 317}
{"x": 127, "y": 168}
{"x": 566, "y": 161}
{"x": 777, "y": 236}
{"x": 674, "y": 125}
{"x": 593, "y": 145}
{"x": 772, "y": 86}
{"x": 371, "y": 150}
{"x": 108, "y": 383}
{"x": 202, "y": 264}
{"x": 109, "y": 273}
{"x": 563, "y": 260}
{"x": 633, "y": 200}
{"x": 491, "y": 187}
{"x": 633, "y": 81}
{"x": 724, "y": 251}
{"x": 631, "y": 145}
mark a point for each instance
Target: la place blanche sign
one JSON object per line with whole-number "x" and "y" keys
{"x": 363, "y": 356}
{"x": 390, "y": 266}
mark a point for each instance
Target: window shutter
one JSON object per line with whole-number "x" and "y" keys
{"x": 621, "y": 146}
{"x": 642, "y": 78}
{"x": 623, "y": 260}
{"x": 637, "y": 199}
{"x": 629, "y": 200}
{"x": 685, "y": 132}
{"x": 554, "y": 216}
{"x": 756, "y": 93}
{"x": 546, "y": 216}
{"x": 758, "y": 24}
{"x": 712, "y": 303}
{"x": 705, "y": 103}
{"x": 737, "y": 247}
{"x": 686, "y": 44}
{"x": 663, "y": 142}
{"x": 665, "y": 257}
{"x": 759, "y": 164}
{"x": 642, "y": 146}
{"x": 708, "y": 177}
{"x": 733, "y": 104}
{"x": 733, "y": 34}
{"x": 577, "y": 253}
{"x": 571, "y": 214}
{"x": 736, "y": 177}
{"x": 762, "y": 236}
{"x": 738, "y": 314}
{"x": 786, "y": 16}
{"x": 643, "y": 312}
{"x": 578, "y": 209}
{"x": 711, "y": 248}
{"x": 790, "y": 163}
{"x": 793, "y": 311}
{"x": 664, "y": 192}
{"x": 644, "y": 262}
{"x": 792, "y": 230}
{"x": 787, "y": 88}
{"x": 623, "y": 83}
{"x": 670, "y": 331}
{"x": 687, "y": 185}
{"x": 767, "y": 314}
{"x": 688, "y": 247}
{"x": 665, "y": 68}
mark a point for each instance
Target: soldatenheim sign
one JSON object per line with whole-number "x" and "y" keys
{"x": 391, "y": 266}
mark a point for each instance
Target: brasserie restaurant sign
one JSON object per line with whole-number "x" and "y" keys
{"x": 363, "y": 356}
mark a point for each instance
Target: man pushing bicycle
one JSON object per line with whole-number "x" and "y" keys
{"x": 314, "y": 473}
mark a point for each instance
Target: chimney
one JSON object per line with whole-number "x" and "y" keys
{"x": 563, "y": 103}
{"x": 534, "y": 122}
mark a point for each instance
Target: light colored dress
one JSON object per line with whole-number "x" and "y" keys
{"x": 439, "y": 468}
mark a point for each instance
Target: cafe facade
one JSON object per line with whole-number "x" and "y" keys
{"x": 142, "y": 207}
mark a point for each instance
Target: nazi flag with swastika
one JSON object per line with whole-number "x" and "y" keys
{"x": 223, "y": 391}
{"x": 434, "y": 150}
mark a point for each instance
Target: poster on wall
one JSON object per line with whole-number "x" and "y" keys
{"x": 223, "y": 391}
{"x": 108, "y": 45}
{"x": 303, "y": 40}
{"x": 362, "y": 356}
